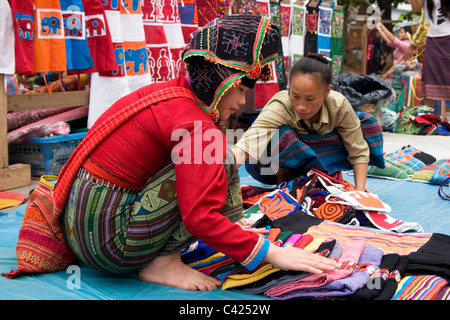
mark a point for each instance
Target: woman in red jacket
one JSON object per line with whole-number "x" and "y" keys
{"x": 163, "y": 178}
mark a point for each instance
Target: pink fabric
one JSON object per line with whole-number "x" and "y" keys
{"x": 400, "y": 47}
{"x": 59, "y": 128}
{"x": 351, "y": 251}
{"x": 17, "y": 119}
{"x": 16, "y": 135}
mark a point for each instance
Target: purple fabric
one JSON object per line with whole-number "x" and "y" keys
{"x": 348, "y": 285}
{"x": 351, "y": 252}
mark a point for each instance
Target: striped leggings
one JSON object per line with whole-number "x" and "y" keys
{"x": 118, "y": 230}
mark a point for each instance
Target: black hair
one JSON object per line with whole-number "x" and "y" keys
{"x": 313, "y": 64}
{"x": 444, "y": 10}
{"x": 407, "y": 29}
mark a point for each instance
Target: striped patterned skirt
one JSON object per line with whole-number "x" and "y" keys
{"x": 435, "y": 76}
{"x": 117, "y": 230}
{"x": 323, "y": 152}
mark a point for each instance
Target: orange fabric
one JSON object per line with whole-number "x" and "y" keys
{"x": 277, "y": 205}
{"x": 41, "y": 246}
{"x": 49, "y": 43}
{"x": 273, "y": 234}
{"x": 330, "y": 211}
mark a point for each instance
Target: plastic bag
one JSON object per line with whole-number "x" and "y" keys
{"x": 361, "y": 89}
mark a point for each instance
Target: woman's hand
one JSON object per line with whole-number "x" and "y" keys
{"x": 260, "y": 231}
{"x": 291, "y": 258}
{"x": 409, "y": 53}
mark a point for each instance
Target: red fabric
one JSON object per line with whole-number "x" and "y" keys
{"x": 208, "y": 10}
{"x": 94, "y": 137}
{"x": 41, "y": 247}
{"x": 143, "y": 145}
{"x": 22, "y": 13}
{"x": 99, "y": 37}
{"x": 159, "y": 57}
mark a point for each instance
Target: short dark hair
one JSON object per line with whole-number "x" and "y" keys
{"x": 313, "y": 64}
{"x": 407, "y": 29}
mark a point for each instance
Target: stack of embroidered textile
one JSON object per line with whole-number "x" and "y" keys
{"x": 410, "y": 163}
{"x": 379, "y": 257}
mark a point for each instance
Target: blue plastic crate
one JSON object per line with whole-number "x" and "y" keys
{"x": 46, "y": 156}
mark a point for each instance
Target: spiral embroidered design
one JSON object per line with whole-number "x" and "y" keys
{"x": 330, "y": 211}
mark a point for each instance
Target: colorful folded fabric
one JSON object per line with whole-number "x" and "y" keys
{"x": 197, "y": 251}
{"x": 286, "y": 276}
{"x": 292, "y": 240}
{"x": 357, "y": 199}
{"x": 278, "y": 204}
{"x": 73, "y": 114}
{"x": 444, "y": 294}
{"x": 236, "y": 280}
{"x": 11, "y": 199}
{"x": 421, "y": 287}
{"x": 336, "y": 212}
{"x": 304, "y": 241}
{"x": 392, "y": 279}
{"x": 369, "y": 261}
{"x": 351, "y": 252}
{"x": 376, "y": 281}
{"x": 390, "y": 171}
{"x": 389, "y": 242}
{"x": 386, "y": 222}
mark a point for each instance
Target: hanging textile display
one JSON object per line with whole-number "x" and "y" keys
{"x": 188, "y": 17}
{"x": 324, "y": 29}
{"x": 312, "y": 15}
{"x": 77, "y": 48}
{"x": 370, "y": 49}
{"x": 159, "y": 56}
{"x": 49, "y": 43}
{"x": 99, "y": 37}
{"x": 297, "y": 31}
{"x": 174, "y": 35}
{"x": 22, "y": 16}
{"x": 208, "y": 10}
{"x": 7, "y": 63}
{"x": 263, "y": 90}
{"x": 285, "y": 21}
{"x": 337, "y": 40}
{"x": 132, "y": 71}
{"x": 275, "y": 16}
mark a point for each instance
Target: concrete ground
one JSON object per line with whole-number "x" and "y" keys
{"x": 436, "y": 145}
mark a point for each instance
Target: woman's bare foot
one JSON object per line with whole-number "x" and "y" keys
{"x": 169, "y": 270}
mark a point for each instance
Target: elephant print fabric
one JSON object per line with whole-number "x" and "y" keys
{"x": 124, "y": 19}
{"x": 78, "y": 56}
{"x": 49, "y": 43}
{"x": 98, "y": 37}
{"x": 23, "y": 22}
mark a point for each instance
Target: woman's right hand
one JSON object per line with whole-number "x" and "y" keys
{"x": 291, "y": 258}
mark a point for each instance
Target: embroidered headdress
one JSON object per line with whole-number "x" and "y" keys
{"x": 228, "y": 51}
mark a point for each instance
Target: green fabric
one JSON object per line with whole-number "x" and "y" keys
{"x": 337, "y": 42}
{"x": 391, "y": 171}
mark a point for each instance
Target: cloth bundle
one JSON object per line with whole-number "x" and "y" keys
{"x": 339, "y": 202}
{"x": 53, "y": 124}
{"x": 411, "y": 163}
{"x": 372, "y": 265}
{"x": 417, "y": 120}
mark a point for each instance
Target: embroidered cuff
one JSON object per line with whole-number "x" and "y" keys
{"x": 258, "y": 254}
